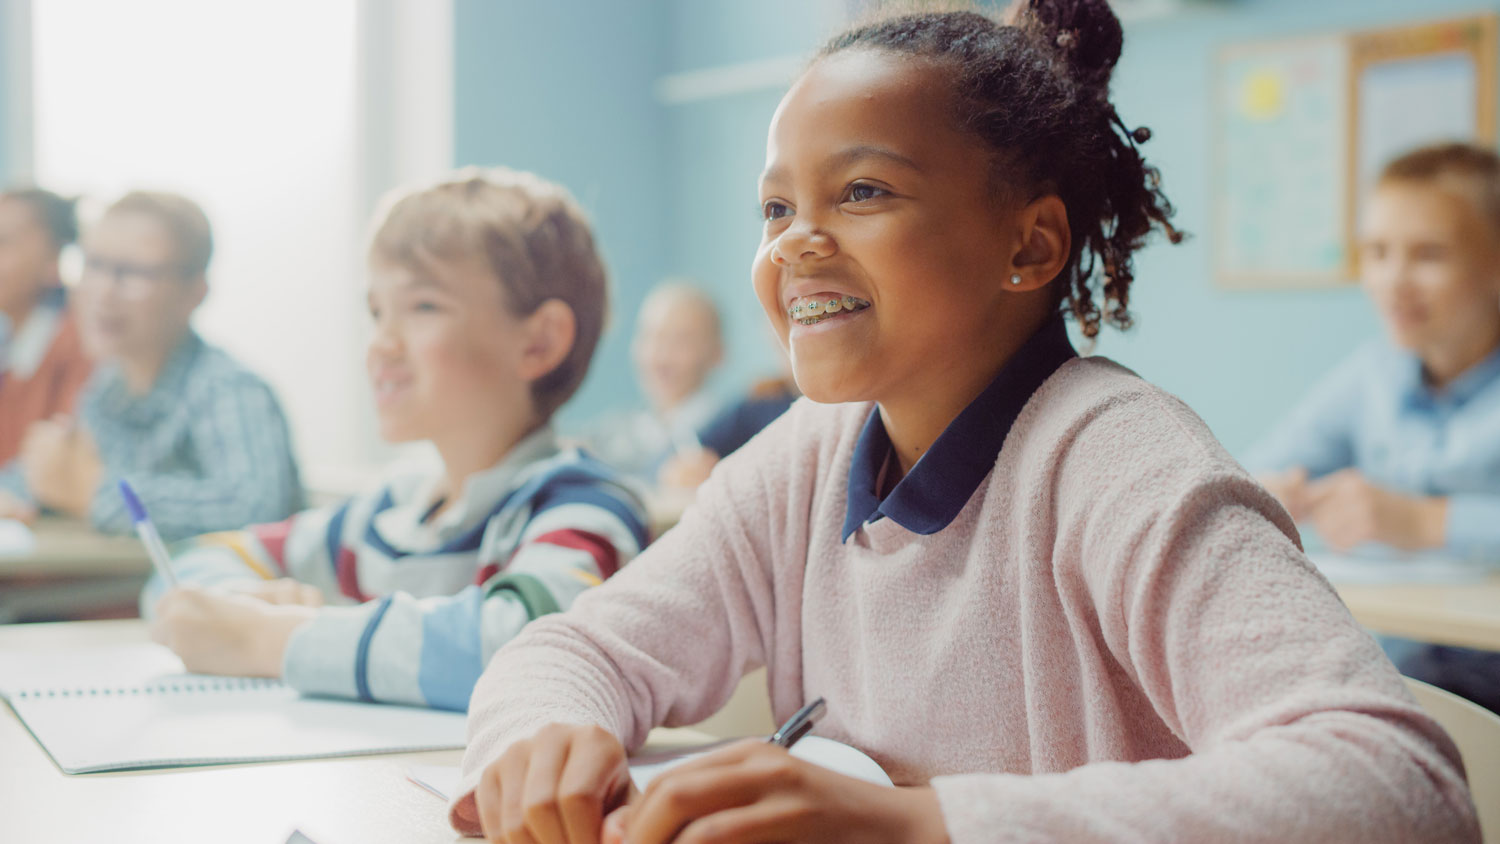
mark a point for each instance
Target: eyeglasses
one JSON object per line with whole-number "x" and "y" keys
{"x": 135, "y": 281}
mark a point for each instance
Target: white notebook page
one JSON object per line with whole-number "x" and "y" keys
{"x": 133, "y": 707}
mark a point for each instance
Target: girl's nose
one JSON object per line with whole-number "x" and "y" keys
{"x": 802, "y": 242}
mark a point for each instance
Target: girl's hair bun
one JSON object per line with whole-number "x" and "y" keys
{"x": 1085, "y": 33}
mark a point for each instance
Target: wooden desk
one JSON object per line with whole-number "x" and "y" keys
{"x": 68, "y": 548}
{"x": 1463, "y": 615}
{"x": 361, "y": 800}
{"x": 72, "y": 572}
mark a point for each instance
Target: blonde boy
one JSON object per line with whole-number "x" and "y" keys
{"x": 488, "y": 299}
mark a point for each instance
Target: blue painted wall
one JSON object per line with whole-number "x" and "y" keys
{"x": 565, "y": 89}
{"x": 6, "y": 176}
{"x": 1239, "y": 358}
{"x": 673, "y": 187}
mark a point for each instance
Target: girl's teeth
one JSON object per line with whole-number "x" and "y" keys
{"x": 813, "y": 312}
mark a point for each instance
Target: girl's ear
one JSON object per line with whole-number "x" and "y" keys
{"x": 1046, "y": 241}
{"x": 549, "y": 333}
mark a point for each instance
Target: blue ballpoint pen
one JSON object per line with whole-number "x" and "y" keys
{"x": 147, "y": 532}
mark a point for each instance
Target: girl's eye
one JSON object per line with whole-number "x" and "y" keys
{"x": 425, "y": 307}
{"x": 861, "y": 192}
{"x": 1431, "y": 253}
{"x": 774, "y": 209}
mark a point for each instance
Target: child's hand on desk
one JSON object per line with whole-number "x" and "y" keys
{"x": 12, "y": 507}
{"x": 61, "y": 465}
{"x": 1290, "y": 488}
{"x": 224, "y": 633}
{"x": 1349, "y": 510}
{"x": 687, "y": 471}
{"x": 753, "y": 791}
{"x": 553, "y": 788}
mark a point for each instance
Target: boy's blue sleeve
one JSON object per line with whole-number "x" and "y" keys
{"x": 13, "y": 482}
{"x": 1473, "y": 529}
{"x": 431, "y": 651}
{"x": 1318, "y": 435}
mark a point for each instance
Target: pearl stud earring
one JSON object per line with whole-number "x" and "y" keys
{"x": 1015, "y": 279}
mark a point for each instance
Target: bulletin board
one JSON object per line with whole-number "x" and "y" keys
{"x": 1304, "y": 125}
{"x": 1282, "y": 142}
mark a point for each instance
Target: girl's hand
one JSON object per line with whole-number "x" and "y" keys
{"x": 553, "y": 788}
{"x": 222, "y": 633}
{"x": 1349, "y": 510}
{"x": 752, "y": 791}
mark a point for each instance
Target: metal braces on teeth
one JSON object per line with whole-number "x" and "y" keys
{"x": 819, "y": 311}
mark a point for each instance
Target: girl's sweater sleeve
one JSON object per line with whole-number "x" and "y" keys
{"x": 665, "y": 641}
{"x": 1299, "y": 728}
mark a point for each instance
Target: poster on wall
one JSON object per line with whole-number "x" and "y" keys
{"x": 1304, "y": 126}
{"x": 1281, "y": 169}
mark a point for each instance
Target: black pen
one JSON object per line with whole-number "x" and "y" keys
{"x": 800, "y": 724}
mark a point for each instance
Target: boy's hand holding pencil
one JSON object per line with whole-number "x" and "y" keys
{"x": 223, "y": 633}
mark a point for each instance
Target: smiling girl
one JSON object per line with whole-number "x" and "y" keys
{"x": 1031, "y": 586}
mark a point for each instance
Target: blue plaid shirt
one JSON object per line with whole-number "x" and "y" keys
{"x": 1374, "y": 412}
{"x": 207, "y": 448}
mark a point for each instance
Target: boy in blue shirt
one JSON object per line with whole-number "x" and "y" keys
{"x": 1400, "y": 445}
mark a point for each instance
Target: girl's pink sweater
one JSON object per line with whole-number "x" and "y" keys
{"x": 1117, "y": 639}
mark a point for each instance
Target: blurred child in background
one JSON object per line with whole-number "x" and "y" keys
{"x": 678, "y": 344}
{"x": 42, "y": 361}
{"x": 731, "y": 428}
{"x": 202, "y": 439}
{"x": 1399, "y": 446}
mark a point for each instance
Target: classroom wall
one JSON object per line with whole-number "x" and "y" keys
{"x": 1238, "y": 358}
{"x": 719, "y": 147}
{"x": 7, "y": 120}
{"x": 673, "y": 186}
{"x": 565, "y": 89}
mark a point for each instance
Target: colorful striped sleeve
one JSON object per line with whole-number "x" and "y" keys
{"x": 293, "y": 547}
{"x": 431, "y": 651}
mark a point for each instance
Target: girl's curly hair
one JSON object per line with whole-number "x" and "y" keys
{"x": 1036, "y": 90}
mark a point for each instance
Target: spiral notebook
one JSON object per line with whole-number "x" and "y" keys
{"x": 132, "y": 707}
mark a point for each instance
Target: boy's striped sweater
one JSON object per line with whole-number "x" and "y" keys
{"x": 416, "y": 605}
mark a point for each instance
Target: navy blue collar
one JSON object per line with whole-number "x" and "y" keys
{"x": 931, "y": 495}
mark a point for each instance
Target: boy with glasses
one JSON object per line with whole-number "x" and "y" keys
{"x": 201, "y": 438}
